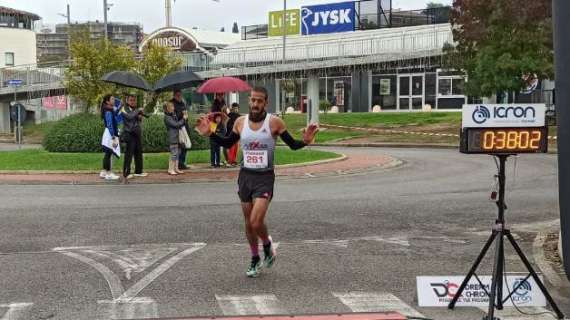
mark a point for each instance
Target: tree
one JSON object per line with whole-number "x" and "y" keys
{"x": 91, "y": 59}
{"x": 235, "y": 28}
{"x": 500, "y": 43}
{"x": 156, "y": 63}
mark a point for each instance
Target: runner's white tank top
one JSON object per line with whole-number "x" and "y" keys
{"x": 258, "y": 147}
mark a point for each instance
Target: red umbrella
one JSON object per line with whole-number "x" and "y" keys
{"x": 224, "y": 84}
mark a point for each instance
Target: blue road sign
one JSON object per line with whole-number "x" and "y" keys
{"x": 15, "y": 82}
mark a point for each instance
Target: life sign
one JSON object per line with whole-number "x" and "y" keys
{"x": 292, "y": 25}
{"x": 328, "y": 18}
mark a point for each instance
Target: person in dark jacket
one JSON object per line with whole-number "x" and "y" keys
{"x": 219, "y": 103}
{"x": 180, "y": 107}
{"x": 109, "y": 120}
{"x": 219, "y": 129}
{"x": 132, "y": 136}
{"x": 233, "y": 116}
{"x": 173, "y": 126}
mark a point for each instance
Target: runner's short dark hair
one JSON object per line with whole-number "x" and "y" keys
{"x": 261, "y": 90}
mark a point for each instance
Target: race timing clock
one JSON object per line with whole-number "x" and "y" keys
{"x": 504, "y": 129}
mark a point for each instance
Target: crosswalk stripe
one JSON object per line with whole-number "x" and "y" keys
{"x": 375, "y": 302}
{"x": 14, "y": 310}
{"x": 249, "y": 305}
{"x": 511, "y": 313}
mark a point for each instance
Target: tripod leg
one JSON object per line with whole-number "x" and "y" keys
{"x": 528, "y": 266}
{"x": 473, "y": 269}
{"x": 497, "y": 267}
{"x": 500, "y": 272}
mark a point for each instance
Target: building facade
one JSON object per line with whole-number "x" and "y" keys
{"x": 17, "y": 37}
{"x": 53, "y": 46}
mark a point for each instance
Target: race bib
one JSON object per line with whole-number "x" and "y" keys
{"x": 255, "y": 159}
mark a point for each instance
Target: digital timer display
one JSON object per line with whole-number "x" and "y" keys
{"x": 504, "y": 140}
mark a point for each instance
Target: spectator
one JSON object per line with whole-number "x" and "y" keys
{"x": 219, "y": 103}
{"x": 132, "y": 136}
{"x": 233, "y": 116}
{"x": 219, "y": 129}
{"x": 173, "y": 126}
{"x": 180, "y": 107}
{"x": 110, "y": 140}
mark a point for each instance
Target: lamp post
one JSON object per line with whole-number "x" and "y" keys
{"x": 68, "y": 16}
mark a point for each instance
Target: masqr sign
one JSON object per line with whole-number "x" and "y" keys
{"x": 439, "y": 291}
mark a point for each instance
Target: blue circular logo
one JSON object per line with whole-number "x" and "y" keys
{"x": 481, "y": 114}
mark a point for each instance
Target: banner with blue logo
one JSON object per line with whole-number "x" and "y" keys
{"x": 328, "y": 18}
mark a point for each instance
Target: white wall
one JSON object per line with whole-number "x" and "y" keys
{"x": 21, "y": 42}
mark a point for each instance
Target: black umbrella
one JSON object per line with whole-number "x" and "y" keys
{"x": 177, "y": 81}
{"x": 127, "y": 79}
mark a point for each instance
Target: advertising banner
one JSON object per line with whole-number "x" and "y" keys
{"x": 328, "y": 18}
{"x": 293, "y": 22}
{"x": 58, "y": 103}
{"x": 503, "y": 115}
{"x": 439, "y": 291}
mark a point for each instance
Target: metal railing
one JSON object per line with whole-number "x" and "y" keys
{"x": 398, "y": 42}
{"x": 33, "y": 75}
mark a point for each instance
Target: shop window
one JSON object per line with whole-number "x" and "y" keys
{"x": 451, "y": 86}
{"x": 9, "y": 59}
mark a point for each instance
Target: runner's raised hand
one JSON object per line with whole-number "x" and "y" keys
{"x": 310, "y": 133}
{"x": 203, "y": 126}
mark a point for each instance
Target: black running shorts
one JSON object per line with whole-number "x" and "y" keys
{"x": 255, "y": 185}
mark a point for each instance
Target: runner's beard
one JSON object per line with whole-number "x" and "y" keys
{"x": 258, "y": 116}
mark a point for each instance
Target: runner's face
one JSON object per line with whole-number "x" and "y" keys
{"x": 257, "y": 103}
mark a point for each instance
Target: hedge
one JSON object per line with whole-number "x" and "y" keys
{"x": 83, "y": 132}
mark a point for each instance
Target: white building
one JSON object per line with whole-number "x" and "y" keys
{"x": 17, "y": 47}
{"x": 17, "y": 37}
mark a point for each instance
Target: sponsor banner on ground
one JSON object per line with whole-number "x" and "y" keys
{"x": 439, "y": 291}
{"x": 503, "y": 115}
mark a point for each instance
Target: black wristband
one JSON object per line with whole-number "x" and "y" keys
{"x": 291, "y": 142}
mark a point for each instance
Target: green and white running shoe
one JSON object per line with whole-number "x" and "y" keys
{"x": 254, "y": 268}
{"x": 270, "y": 254}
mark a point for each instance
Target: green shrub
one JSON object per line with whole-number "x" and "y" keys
{"x": 83, "y": 132}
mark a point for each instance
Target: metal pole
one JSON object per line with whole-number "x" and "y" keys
{"x": 284, "y": 30}
{"x": 561, "y": 10}
{"x": 105, "y": 9}
{"x": 168, "y": 9}
{"x": 68, "y": 32}
{"x": 16, "y": 126}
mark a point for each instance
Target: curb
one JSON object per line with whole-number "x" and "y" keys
{"x": 543, "y": 264}
{"x": 341, "y": 157}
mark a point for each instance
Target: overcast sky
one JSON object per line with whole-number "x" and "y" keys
{"x": 204, "y": 14}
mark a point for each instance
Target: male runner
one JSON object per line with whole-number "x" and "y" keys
{"x": 257, "y": 133}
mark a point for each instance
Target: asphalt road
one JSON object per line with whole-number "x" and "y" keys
{"x": 346, "y": 244}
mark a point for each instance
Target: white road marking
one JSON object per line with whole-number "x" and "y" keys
{"x": 136, "y": 308}
{"x": 14, "y": 310}
{"x": 249, "y": 305}
{"x": 150, "y": 277}
{"x": 511, "y": 313}
{"x": 401, "y": 241}
{"x": 375, "y": 302}
{"x": 112, "y": 279}
{"x": 336, "y": 243}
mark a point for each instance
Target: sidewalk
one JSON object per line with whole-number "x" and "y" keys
{"x": 351, "y": 163}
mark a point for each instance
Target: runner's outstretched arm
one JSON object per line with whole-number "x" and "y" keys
{"x": 308, "y": 135}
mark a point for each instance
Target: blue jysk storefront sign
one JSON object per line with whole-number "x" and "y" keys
{"x": 328, "y": 18}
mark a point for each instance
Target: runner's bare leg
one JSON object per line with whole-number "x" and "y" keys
{"x": 247, "y": 207}
{"x": 257, "y": 219}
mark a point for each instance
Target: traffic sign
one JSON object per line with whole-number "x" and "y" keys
{"x": 15, "y": 82}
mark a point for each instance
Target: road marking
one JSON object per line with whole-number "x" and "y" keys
{"x": 375, "y": 302}
{"x": 249, "y": 305}
{"x": 143, "y": 259}
{"x": 401, "y": 241}
{"x": 511, "y": 313}
{"x": 336, "y": 243}
{"x": 150, "y": 277}
{"x": 136, "y": 308}
{"x": 115, "y": 285}
{"x": 14, "y": 310}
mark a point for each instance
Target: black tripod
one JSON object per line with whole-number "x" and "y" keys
{"x": 499, "y": 232}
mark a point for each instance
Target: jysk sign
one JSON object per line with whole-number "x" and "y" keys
{"x": 439, "y": 291}
{"x": 292, "y": 22}
{"x": 328, "y": 18}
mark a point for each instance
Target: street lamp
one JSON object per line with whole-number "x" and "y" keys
{"x": 68, "y": 16}
{"x": 106, "y": 8}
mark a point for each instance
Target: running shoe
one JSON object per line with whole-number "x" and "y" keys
{"x": 111, "y": 176}
{"x": 254, "y": 268}
{"x": 270, "y": 254}
{"x": 103, "y": 174}
{"x": 141, "y": 175}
